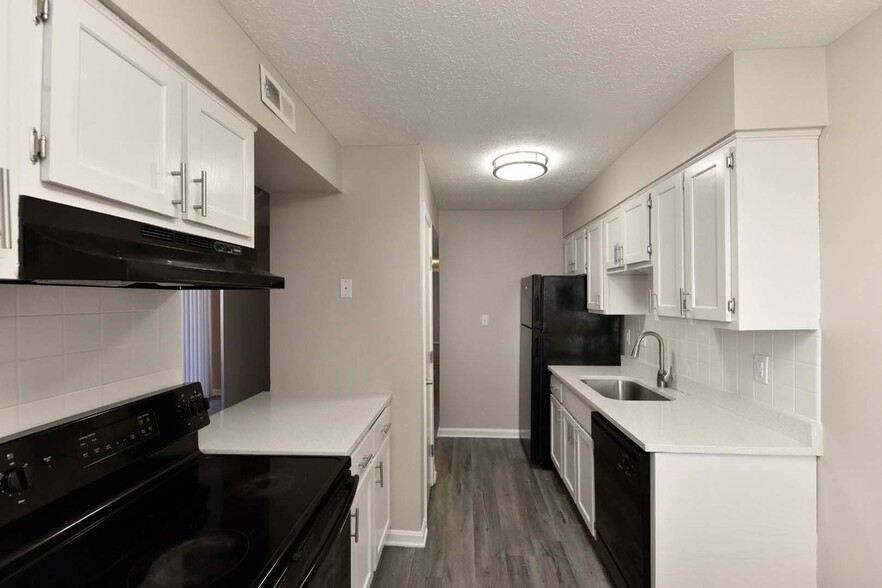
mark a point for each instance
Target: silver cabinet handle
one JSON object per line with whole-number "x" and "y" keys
{"x": 386, "y": 428}
{"x": 6, "y": 205}
{"x": 203, "y": 206}
{"x": 181, "y": 174}
{"x": 380, "y": 481}
{"x": 356, "y": 517}
{"x": 365, "y": 460}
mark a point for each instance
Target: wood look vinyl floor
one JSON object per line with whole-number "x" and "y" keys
{"x": 495, "y": 521}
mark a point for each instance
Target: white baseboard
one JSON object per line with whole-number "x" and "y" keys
{"x": 398, "y": 538}
{"x": 479, "y": 433}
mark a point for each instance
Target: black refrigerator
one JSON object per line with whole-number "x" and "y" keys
{"x": 556, "y": 329}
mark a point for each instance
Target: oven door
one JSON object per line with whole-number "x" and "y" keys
{"x": 322, "y": 558}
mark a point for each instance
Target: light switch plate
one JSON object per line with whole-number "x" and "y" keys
{"x": 345, "y": 288}
{"x": 485, "y": 320}
{"x": 761, "y": 368}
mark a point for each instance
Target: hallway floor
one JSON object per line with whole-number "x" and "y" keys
{"x": 495, "y": 521}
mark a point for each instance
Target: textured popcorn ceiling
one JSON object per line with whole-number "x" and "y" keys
{"x": 469, "y": 79}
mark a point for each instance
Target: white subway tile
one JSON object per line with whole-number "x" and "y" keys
{"x": 7, "y": 302}
{"x": 764, "y": 343}
{"x": 715, "y": 375}
{"x": 40, "y": 336}
{"x": 730, "y": 371}
{"x": 807, "y": 347}
{"x": 117, "y": 364}
{"x": 8, "y": 339}
{"x": 82, "y": 332}
{"x": 41, "y": 378}
{"x": 9, "y": 420}
{"x": 117, "y": 300}
{"x": 146, "y": 299}
{"x": 118, "y": 329}
{"x": 784, "y": 397}
{"x": 83, "y": 401}
{"x": 806, "y": 378}
{"x": 784, "y": 344}
{"x": 82, "y": 371}
{"x": 783, "y": 371}
{"x": 146, "y": 329}
{"x": 807, "y": 404}
{"x": 730, "y": 340}
{"x": 82, "y": 300}
{"x": 8, "y": 384}
{"x": 763, "y": 393}
{"x": 39, "y": 300}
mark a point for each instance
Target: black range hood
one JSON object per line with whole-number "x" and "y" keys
{"x": 64, "y": 245}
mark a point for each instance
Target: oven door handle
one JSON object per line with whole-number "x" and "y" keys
{"x": 338, "y": 527}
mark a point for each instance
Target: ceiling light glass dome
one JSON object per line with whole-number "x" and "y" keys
{"x": 520, "y": 165}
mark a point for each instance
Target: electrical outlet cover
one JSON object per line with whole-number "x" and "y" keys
{"x": 761, "y": 368}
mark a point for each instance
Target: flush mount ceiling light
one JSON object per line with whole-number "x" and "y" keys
{"x": 520, "y": 165}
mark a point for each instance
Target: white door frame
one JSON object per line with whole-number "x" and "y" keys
{"x": 429, "y": 472}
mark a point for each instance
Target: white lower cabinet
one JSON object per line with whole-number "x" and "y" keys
{"x": 381, "y": 503}
{"x": 572, "y": 453}
{"x": 556, "y": 434}
{"x": 360, "y": 518}
{"x": 585, "y": 477}
{"x": 370, "y": 515}
{"x": 569, "y": 453}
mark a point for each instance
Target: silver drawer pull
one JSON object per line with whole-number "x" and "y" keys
{"x": 365, "y": 460}
{"x": 386, "y": 428}
{"x": 356, "y": 517}
{"x": 203, "y": 206}
{"x": 6, "y": 205}
{"x": 182, "y": 175}
{"x": 381, "y": 480}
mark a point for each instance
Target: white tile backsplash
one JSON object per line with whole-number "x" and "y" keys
{"x": 723, "y": 359}
{"x": 66, "y": 350}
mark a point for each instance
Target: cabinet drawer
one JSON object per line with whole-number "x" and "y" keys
{"x": 362, "y": 456}
{"x": 382, "y": 428}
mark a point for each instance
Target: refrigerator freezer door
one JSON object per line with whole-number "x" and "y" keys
{"x": 530, "y": 301}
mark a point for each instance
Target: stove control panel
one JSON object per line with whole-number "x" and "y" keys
{"x": 47, "y": 463}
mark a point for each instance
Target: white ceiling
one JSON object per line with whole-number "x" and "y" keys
{"x": 469, "y": 79}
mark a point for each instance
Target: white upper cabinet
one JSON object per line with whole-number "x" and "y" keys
{"x": 596, "y": 269}
{"x": 579, "y": 256}
{"x": 635, "y": 221}
{"x": 112, "y": 112}
{"x": 220, "y": 156}
{"x": 707, "y": 238}
{"x": 570, "y": 255}
{"x": 667, "y": 247}
{"x": 614, "y": 236}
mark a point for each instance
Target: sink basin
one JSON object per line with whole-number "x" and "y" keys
{"x": 624, "y": 390}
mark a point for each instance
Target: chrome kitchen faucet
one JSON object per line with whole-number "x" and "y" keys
{"x": 662, "y": 379}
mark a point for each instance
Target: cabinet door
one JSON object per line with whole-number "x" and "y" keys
{"x": 569, "y": 255}
{"x": 220, "y": 158}
{"x": 585, "y": 477}
{"x": 613, "y": 235}
{"x": 594, "y": 259}
{"x": 579, "y": 242}
{"x": 360, "y": 527}
{"x": 112, "y": 111}
{"x": 556, "y": 435}
{"x": 381, "y": 502}
{"x": 707, "y": 237}
{"x": 569, "y": 474}
{"x": 636, "y": 240}
{"x": 667, "y": 246}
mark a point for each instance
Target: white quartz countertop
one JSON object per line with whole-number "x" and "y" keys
{"x": 278, "y": 423}
{"x": 686, "y": 424}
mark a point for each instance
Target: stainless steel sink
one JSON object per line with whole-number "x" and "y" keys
{"x": 624, "y": 390}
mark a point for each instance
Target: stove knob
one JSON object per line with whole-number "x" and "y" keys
{"x": 15, "y": 481}
{"x": 205, "y": 404}
{"x": 195, "y": 407}
{"x": 186, "y": 411}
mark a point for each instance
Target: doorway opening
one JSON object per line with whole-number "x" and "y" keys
{"x": 202, "y": 343}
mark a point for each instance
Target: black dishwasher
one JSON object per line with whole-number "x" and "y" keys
{"x": 621, "y": 478}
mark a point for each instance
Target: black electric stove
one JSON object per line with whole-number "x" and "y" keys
{"x": 123, "y": 498}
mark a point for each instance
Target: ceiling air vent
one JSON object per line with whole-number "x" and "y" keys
{"x": 276, "y": 99}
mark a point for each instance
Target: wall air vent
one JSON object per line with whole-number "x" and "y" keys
{"x": 275, "y": 98}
